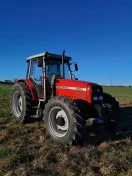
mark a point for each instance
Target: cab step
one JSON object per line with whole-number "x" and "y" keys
{"x": 35, "y": 107}
{"x": 35, "y": 116}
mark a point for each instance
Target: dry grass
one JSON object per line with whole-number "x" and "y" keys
{"x": 25, "y": 150}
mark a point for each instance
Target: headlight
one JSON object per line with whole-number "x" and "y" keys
{"x": 100, "y": 97}
{"x": 95, "y": 98}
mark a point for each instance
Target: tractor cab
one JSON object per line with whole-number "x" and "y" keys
{"x": 44, "y": 68}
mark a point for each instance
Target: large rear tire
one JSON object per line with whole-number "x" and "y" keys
{"x": 63, "y": 122}
{"x": 112, "y": 125}
{"x": 20, "y": 103}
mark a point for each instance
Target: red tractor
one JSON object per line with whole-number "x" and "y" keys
{"x": 51, "y": 92}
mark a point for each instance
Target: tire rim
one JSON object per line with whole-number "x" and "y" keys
{"x": 56, "y": 129}
{"x": 17, "y": 104}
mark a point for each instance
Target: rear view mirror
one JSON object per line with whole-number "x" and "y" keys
{"x": 40, "y": 62}
{"x": 76, "y": 67}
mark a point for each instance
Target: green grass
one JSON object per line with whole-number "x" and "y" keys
{"x": 120, "y": 93}
{"x": 4, "y": 153}
{"x": 5, "y": 89}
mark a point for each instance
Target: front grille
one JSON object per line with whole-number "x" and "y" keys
{"x": 97, "y": 91}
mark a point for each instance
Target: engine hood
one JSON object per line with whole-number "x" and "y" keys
{"x": 77, "y": 89}
{"x": 75, "y": 83}
{"x": 87, "y": 82}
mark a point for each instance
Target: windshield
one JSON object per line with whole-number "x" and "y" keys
{"x": 56, "y": 68}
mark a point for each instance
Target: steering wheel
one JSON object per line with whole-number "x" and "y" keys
{"x": 50, "y": 76}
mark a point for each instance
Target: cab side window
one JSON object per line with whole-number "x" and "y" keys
{"x": 36, "y": 72}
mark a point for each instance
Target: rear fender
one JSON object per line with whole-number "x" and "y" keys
{"x": 31, "y": 88}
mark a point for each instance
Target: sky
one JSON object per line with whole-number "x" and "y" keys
{"x": 97, "y": 34}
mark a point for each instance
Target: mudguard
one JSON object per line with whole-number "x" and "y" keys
{"x": 31, "y": 88}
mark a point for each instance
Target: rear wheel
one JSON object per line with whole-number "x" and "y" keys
{"x": 20, "y": 103}
{"x": 63, "y": 121}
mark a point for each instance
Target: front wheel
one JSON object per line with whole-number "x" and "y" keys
{"x": 63, "y": 121}
{"x": 114, "y": 110}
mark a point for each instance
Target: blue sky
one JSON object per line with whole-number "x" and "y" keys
{"x": 97, "y": 34}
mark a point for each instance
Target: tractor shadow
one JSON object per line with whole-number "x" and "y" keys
{"x": 124, "y": 130}
{"x": 125, "y": 127}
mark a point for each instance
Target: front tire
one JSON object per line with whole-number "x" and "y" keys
{"x": 63, "y": 122}
{"x": 112, "y": 125}
{"x": 20, "y": 103}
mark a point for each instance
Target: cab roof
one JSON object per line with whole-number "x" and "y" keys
{"x": 49, "y": 55}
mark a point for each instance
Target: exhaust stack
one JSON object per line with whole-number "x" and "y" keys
{"x": 63, "y": 56}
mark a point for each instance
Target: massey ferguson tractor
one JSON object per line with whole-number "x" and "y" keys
{"x": 51, "y": 92}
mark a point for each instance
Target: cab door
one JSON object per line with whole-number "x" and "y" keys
{"x": 36, "y": 77}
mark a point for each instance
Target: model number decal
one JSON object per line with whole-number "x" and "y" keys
{"x": 71, "y": 88}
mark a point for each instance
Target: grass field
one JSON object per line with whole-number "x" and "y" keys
{"x": 25, "y": 150}
{"x": 5, "y": 89}
{"x": 123, "y": 94}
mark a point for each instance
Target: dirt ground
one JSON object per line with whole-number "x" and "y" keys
{"x": 26, "y": 150}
